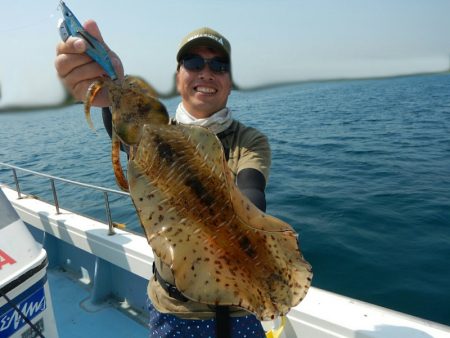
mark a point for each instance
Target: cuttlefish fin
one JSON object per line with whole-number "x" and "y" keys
{"x": 207, "y": 145}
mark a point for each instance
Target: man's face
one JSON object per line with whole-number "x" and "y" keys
{"x": 203, "y": 92}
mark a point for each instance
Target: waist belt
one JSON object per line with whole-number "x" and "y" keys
{"x": 169, "y": 288}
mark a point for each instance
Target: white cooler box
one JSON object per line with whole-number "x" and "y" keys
{"x": 24, "y": 290}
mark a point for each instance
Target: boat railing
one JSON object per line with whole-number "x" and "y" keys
{"x": 52, "y": 180}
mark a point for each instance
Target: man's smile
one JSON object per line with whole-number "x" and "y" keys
{"x": 205, "y": 90}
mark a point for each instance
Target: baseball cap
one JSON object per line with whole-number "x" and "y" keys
{"x": 204, "y": 37}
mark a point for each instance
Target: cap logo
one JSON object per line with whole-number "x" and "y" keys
{"x": 219, "y": 40}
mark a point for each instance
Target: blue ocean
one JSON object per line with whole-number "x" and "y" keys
{"x": 361, "y": 169}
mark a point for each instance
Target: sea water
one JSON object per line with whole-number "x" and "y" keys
{"x": 361, "y": 169}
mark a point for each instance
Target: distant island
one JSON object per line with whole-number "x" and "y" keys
{"x": 69, "y": 100}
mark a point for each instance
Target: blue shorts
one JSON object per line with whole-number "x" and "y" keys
{"x": 164, "y": 325}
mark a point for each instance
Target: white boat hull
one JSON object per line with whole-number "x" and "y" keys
{"x": 321, "y": 314}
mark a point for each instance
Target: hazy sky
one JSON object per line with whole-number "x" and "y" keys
{"x": 272, "y": 41}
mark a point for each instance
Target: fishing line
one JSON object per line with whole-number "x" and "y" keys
{"x": 36, "y": 23}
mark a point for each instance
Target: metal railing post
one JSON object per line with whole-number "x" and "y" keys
{"x": 16, "y": 180}
{"x": 55, "y": 197}
{"x": 108, "y": 215}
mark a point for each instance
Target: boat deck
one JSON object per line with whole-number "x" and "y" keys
{"x": 75, "y": 314}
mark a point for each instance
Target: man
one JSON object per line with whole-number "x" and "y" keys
{"x": 203, "y": 80}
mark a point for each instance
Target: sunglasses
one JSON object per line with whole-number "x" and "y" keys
{"x": 196, "y": 63}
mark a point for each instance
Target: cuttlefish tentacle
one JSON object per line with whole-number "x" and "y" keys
{"x": 121, "y": 180}
{"x": 225, "y": 251}
{"x": 91, "y": 93}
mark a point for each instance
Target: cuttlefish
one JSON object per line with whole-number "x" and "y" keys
{"x": 221, "y": 248}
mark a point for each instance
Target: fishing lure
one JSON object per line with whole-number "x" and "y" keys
{"x": 70, "y": 26}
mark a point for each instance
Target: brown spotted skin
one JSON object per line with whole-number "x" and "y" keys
{"x": 220, "y": 247}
